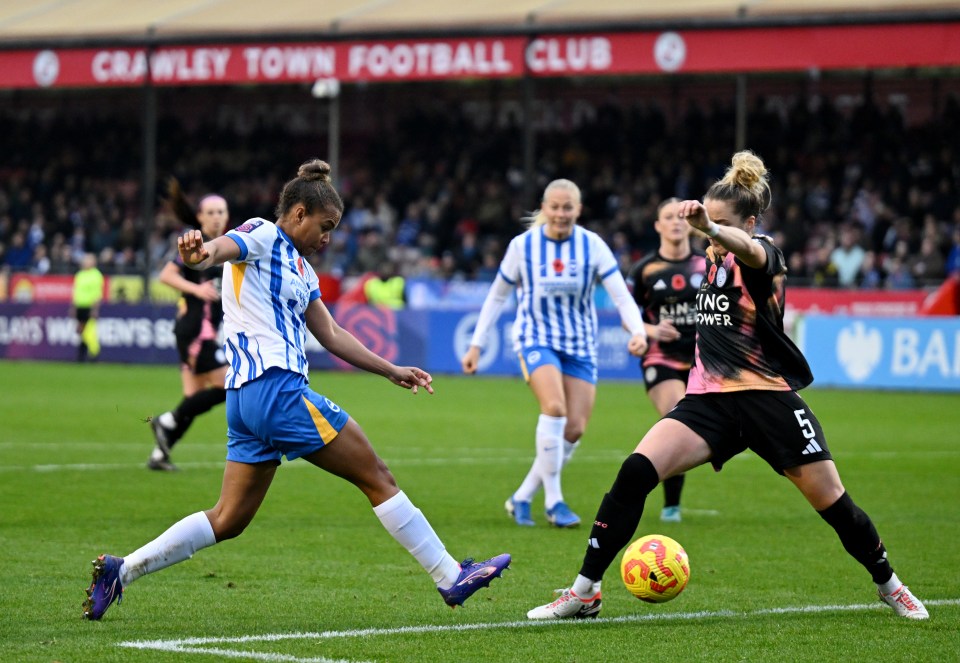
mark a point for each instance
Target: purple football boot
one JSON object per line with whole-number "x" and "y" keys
{"x": 474, "y": 576}
{"x": 105, "y": 588}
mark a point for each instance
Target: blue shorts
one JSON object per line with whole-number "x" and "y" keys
{"x": 279, "y": 415}
{"x": 536, "y": 356}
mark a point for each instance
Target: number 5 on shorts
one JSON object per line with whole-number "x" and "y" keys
{"x": 805, "y": 424}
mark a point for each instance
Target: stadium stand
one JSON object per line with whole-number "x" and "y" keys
{"x": 864, "y": 163}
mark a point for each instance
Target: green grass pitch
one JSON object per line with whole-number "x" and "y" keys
{"x": 316, "y": 578}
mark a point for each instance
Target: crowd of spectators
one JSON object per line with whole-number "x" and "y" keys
{"x": 861, "y": 198}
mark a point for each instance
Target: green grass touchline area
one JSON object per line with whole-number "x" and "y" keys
{"x": 316, "y": 577}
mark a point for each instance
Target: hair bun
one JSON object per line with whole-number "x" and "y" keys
{"x": 313, "y": 170}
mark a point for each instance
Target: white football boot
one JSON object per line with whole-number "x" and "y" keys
{"x": 904, "y": 603}
{"x": 568, "y": 606}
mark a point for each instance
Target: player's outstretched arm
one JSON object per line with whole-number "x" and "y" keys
{"x": 734, "y": 240}
{"x": 630, "y": 316}
{"x": 341, "y": 343}
{"x": 199, "y": 255}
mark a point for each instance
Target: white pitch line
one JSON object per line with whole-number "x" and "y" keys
{"x": 503, "y": 458}
{"x": 700, "y": 512}
{"x": 215, "y": 464}
{"x": 193, "y": 645}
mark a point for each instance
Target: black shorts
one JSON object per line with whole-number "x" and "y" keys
{"x": 83, "y": 313}
{"x": 654, "y": 374}
{"x": 778, "y": 426}
{"x": 208, "y": 357}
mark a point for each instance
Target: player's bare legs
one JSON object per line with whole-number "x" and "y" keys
{"x": 350, "y": 456}
{"x": 241, "y": 494}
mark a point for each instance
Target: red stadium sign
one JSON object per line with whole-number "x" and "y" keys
{"x": 694, "y": 51}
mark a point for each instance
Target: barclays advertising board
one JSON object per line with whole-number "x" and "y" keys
{"x": 889, "y": 353}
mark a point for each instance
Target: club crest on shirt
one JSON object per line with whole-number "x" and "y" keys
{"x": 721, "y": 276}
{"x": 249, "y": 226}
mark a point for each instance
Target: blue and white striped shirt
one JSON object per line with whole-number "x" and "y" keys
{"x": 555, "y": 281}
{"x": 266, "y": 292}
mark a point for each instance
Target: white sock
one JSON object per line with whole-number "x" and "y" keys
{"x": 407, "y": 524}
{"x": 890, "y": 586}
{"x": 167, "y": 420}
{"x": 530, "y": 486}
{"x": 585, "y": 588}
{"x": 568, "y": 449}
{"x": 178, "y": 543}
{"x": 549, "y": 460}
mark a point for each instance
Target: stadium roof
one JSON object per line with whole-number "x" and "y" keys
{"x": 71, "y": 20}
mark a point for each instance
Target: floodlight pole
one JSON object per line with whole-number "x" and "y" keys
{"x": 740, "y": 135}
{"x": 149, "y": 175}
{"x": 529, "y": 139}
{"x": 329, "y": 88}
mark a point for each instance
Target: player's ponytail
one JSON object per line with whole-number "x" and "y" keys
{"x": 179, "y": 204}
{"x": 312, "y": 187}
{"x": 745, "y": 185}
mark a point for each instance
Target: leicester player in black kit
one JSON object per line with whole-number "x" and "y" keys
{"x": 203, "y": 366}
{"x": 742, "y": 394}
{"x": 665, "y": 285}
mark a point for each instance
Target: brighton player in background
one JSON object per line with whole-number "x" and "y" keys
{"x": 554, "y": 266}
{"x": 665, "y": 285}
{"x": 742, "y": 394}
{"x": 271, "y": 300}
{"x": 203, "y": 366}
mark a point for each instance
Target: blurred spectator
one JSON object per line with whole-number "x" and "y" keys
{"x": 898, "y": 274}
{"x": 897, "y": 266}
{"x": 372, "y": 251}
{"x": 40, "y": 264}
{"x": 929, "y": 266}
{"x": 18, "y": 255}
{"x": 953, "y": 257}
{"x": 61, "y": 258}
{"x": 467, "y": 255}
{"x": 870, "y": 276}
{"x": 847, "y": 258}
{"x": 386, "y": 288}
{"x": 409, "y": 228}
{"x": 797, "y": 269}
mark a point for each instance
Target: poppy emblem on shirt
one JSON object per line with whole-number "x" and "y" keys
{"x": 678, "y": 282}
{"x": 300, "y": 265}
{"x": 712, "y": 274}
{"x": 558, "y": 266}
